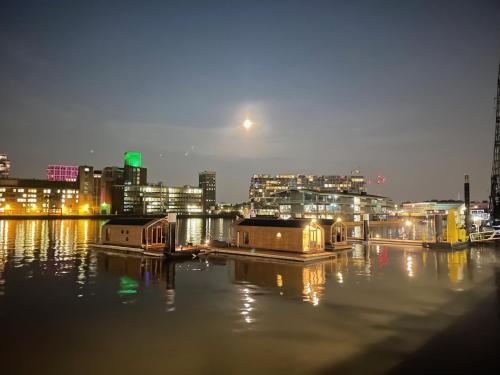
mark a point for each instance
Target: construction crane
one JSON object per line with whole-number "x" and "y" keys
{"x": 495, "y": 172}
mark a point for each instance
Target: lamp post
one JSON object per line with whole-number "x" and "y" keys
{"x": 467, "y": 204}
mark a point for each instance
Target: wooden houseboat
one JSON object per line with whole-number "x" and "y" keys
{"x": 144, "y": 234}
{"x": 292, "y": 235}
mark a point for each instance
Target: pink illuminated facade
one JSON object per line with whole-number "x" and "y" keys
{"x": 67, "y": 173}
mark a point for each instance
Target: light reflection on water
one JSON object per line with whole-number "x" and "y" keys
{"x": 196, "y": 230}
{"x": 217, "y": 304}
{"x": 403, "y": 230}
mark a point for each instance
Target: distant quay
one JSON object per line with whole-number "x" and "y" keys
{"x": 107, "y": 217}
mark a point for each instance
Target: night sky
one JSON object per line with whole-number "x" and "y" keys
{"x": 403, "y": 89}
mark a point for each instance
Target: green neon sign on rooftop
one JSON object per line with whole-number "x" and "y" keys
{"x": 133, "y": 159}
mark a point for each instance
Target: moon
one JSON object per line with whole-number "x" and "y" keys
{"x": 247, "y": 124}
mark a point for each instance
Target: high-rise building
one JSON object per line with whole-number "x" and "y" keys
{"x": 133, "y": 172}
{"x": 68, "y": 173}
{"x": 85, "y": 184}
{"x": 4, "y": 166}
{"x": 97, "y": 193}
{"x": 206, "y": 181}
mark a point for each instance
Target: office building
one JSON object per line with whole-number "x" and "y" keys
{"x": 207, "y": 182}
{"x": 30, "y": 196}
{"x": 184, "y": 200}
{"x": 157, "y": 199}
{"x": 141, "y": 199}
{"x": 68, "y": 173}
{"x": 4, "y": 166}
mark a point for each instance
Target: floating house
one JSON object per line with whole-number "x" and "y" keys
{"x": 299, "y": 236}
{"x": 141, "y": 233}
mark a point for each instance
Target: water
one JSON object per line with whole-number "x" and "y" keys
{"x": 402, "y": 230}
{"x": 65, "y": 308}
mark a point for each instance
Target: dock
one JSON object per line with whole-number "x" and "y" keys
{"x": 182, "y": 252}
{"x": 127, "y": 250}
{"x": 189, "y": 252}
{"x": 276, "y": 255}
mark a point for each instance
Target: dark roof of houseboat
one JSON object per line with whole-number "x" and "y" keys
{"x": 139, "y": 221}
{"x": 281, "y": 223}
{"x": 325, "y": 221}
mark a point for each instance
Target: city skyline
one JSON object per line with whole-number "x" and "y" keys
{"x": 400, "y": 90}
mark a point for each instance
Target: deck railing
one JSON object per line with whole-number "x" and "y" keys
{"x": 489, "y": 235}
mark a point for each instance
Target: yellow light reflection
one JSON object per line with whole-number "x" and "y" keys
{"x": 456, "y": 262}
{"x": 313, "y": 280}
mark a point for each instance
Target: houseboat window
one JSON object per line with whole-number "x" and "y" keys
{"x": 312, "y": 238}
{"x": 314, "y": 235}
{"x": 246, "y": 240}
{"x": 143, "y": 236}
{"x": 126, "y": 232}
{"x": 122, "y": 231}
{"x": 108, "y": 233}
{"x": 154, "y": 236}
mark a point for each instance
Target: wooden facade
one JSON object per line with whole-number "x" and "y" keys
{"x": 299, "y": 236}
{"x": 148, "y": 234}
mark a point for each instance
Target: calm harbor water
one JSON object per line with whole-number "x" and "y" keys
{"x": 65, "y": 308}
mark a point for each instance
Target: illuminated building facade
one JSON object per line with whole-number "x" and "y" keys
{"x": 431, "y": 207}
{"x": 156, "y": 199}
{"x": 185, "y": 200}
{"x": 133, "y": 172}
{"x": 264, "y": 186}
{"x": 85, "y": 184}
{"x": 141, "y": 199}
{"x": 133, "y": 159}
{"x": 207, "y": 182}
{"x": 306, "y": 203}
{"x": 96, "y": 199}
{"x": 28, "y": 196}
{"x": 67, "y": 173}
{"x": 4, "y": 166}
